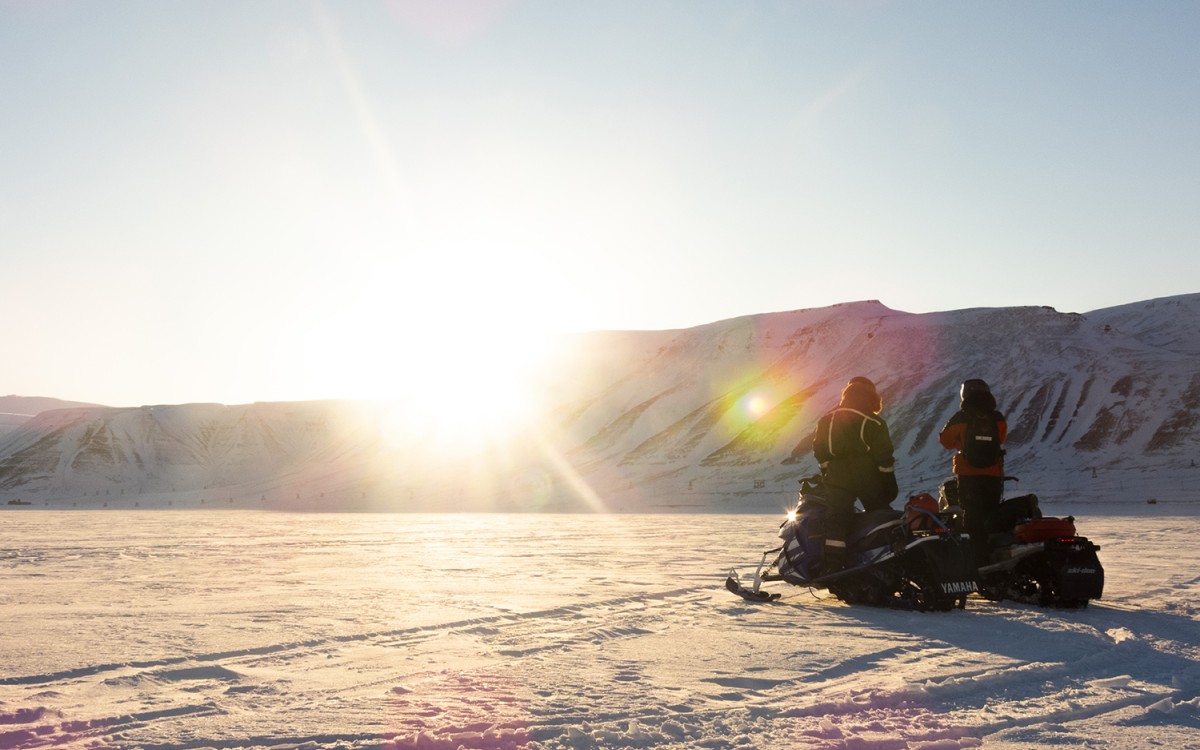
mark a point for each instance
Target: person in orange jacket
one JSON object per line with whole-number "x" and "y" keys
{"x": 976, "y": 432}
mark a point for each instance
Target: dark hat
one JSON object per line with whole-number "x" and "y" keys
{"x": 860, "y": 393}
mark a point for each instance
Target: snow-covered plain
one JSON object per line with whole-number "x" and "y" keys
{"x": 175, "y": 629}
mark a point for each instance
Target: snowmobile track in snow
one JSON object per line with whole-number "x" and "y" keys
{"x": 578, "y": 653}
{"x": 398, "y": 637}
{"x": 510, "y": 634}
{"x": 948, "y": 692}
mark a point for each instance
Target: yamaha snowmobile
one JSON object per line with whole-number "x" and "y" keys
{"x": 1035, "y": 559}
{"x": 908, "y": 559}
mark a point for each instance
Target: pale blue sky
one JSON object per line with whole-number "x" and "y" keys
{"x": 239, "y": 201}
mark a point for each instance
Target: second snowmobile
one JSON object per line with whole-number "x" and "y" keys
{"x": 1034, "y": 559}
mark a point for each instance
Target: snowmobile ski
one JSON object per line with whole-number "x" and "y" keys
{"x": 733, "y": 584}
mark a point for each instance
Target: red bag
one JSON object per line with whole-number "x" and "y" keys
{"x": 915, "y": 519}
{"x": 1041, "y": 529}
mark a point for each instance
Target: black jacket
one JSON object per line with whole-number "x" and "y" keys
{"x": 854, "y": 450}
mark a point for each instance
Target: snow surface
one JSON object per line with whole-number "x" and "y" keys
{"x": 246, "y": 629}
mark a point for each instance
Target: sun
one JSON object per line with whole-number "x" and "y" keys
{"x": 468, "y": 376}
{"x": 455, "y": 349}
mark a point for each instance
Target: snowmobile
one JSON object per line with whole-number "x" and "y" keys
{"x": 1034, "y": 559}
{"x": 908, "y": 559}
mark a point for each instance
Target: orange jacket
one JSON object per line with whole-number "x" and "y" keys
{"x": 951, "y": 437}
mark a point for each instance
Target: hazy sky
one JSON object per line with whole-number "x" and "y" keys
{"x": 269, "y": 200}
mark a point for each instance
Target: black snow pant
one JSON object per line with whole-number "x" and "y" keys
{"x": 979, "y": 498}
{"x": 839, "y": 516}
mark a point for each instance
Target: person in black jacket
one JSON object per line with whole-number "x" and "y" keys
{"x": 853, "y": 447}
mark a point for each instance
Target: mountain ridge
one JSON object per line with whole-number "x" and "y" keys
{"x": 1102, "y": 406}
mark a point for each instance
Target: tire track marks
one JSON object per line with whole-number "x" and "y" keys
{"x": 215, "y": 675}
{"x": 399, "y": 635}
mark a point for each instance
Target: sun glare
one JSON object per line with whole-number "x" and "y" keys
{"x": 456, "y": 352}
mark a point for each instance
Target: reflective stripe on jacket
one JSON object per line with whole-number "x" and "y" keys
{"x": 848, "y": 442}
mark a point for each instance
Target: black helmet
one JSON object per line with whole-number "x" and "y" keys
{"x": 860, "y": 393}
{"x": 973, "y": 389}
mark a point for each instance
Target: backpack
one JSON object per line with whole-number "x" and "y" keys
{"x": 981, "y": 439}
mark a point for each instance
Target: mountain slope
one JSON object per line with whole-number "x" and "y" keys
{"x": 1101, "y": 406}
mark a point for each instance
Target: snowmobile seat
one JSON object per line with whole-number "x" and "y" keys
{"x": 1013, "y": 511}
{"x": 873, "y": 528}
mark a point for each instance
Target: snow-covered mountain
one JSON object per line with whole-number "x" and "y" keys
{"x": 17, "y": 410}
{"x": 1101, "y": 406}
